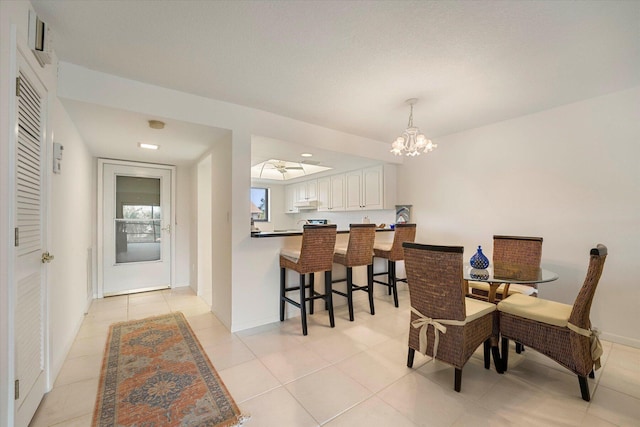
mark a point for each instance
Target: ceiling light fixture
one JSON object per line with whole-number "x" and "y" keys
{"x": 156, "y": 124}
{"x": 412, "y": 142}
{"x": 306, "y": 155}
{"x": 148, "y": 146}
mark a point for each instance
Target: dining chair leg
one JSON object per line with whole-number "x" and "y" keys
{"x": 370, "y": 287}
{"x": 458, "y": 380}
{"x": 410, "y": 356}
{"x": 497, "y": 360}
{"x": 584, "y": 388}
{"x": 392, "y": 281}
{"x": 350, "y": 292}
{"x": 519, "y": 348}
{"x": 328, "y": 294}
{"x": 505, "y": 353}
{"x": 487, "y": 354}
{"x": 592, "y": 374}
{"x": 303, "y": 305}
{"x": 283, "y": 274}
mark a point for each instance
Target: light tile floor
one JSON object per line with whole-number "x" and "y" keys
{"x": 354, "y": 374}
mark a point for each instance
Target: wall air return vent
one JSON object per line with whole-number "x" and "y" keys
{"x": 40, "y": 39}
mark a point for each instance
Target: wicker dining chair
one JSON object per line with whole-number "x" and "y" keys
{"x": 523, "y": 251}
{"x": 393, "y": 252}
{"x": 559, "y": 331}
{"x": 444, "y": 323}
{"x": 315, "y": 255}
{"x": 358, "y": 252}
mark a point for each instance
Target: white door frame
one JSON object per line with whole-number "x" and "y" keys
{"x": 99, "y": 291}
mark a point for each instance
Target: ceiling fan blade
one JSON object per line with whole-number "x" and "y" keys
{"x": 294, "y": 168}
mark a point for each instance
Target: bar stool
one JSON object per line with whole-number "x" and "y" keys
{"x": 393, "y": 252}
{"x": 315, "y": 255}
{"x": 358, "y": 252}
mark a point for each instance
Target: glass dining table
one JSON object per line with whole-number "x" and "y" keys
{"x": 508, "y": 274}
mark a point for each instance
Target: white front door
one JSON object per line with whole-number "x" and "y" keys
{"x": 136, "y": 227}
{"x": 30, "y": 231}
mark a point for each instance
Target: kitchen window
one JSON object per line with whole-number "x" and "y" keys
{"x": 260, "y": 208}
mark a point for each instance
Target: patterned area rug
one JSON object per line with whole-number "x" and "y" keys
{"x": 155, "y": 373}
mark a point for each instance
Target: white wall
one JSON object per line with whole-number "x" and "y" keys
{"x": 570, "y": 174}
{"x": 183, "y": 226}
{"x": 221, "y": 224}
{"x": 72, "y": 197}
{"x": 203, "y": 235}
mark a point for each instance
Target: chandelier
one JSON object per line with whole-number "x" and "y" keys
{"x": 412, "y": 142}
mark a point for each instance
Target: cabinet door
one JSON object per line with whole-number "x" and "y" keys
{"x": 337, "y": 192}
{"x": 311, "y": 189}
{"x": 290, "y": 197}
{"x": 353, "y": 200}
{"x": 300, "y": 192}
{"x": 372, "y": 188}
{"x": 324, "y": 194}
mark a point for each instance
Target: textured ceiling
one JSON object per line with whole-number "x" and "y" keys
{"x": 350, "y": 65}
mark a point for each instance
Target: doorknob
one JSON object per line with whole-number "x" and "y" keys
{"x": 167, "y": 228}
{"x": 47, "y": 257}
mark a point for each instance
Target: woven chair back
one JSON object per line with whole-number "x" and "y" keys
{"x": 360, "y": 247}
{"x": 318, "y": 243}
{"x": 519, "y": 250}
{"x": 434, "y": 276}
{"x": 582, "y": 305}
{"x": 403, "y": 233}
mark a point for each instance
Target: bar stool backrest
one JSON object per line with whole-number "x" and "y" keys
{"x": 360, "y": 247}
{"x": 403, "y": 233}
{"x": 318, "y": 243}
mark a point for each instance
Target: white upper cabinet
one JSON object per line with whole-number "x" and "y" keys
{"x": 371, "y": 188}
{"x": 364, "y": 189}
{"x": 307, "y": 190}
{"x": 353, "y": 190}
{"x": 290, "y": 198}
{"x": 331, "y": 193}
{"x": 337, "y": 192}
{"x": 324, "y": 194}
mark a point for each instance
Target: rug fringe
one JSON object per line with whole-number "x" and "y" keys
{"x": 241, "y": 419}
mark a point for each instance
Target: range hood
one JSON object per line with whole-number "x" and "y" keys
{"x": 306, "y": 204}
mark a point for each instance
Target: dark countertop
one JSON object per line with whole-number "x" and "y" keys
{"x": 285, "y": 233}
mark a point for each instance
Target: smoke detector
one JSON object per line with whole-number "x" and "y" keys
{"x": 156, "y": 124}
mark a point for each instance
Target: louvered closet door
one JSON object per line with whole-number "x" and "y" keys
{"x": 29, "y": 221}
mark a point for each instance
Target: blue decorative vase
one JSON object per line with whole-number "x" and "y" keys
{"x": 478, "y": 260}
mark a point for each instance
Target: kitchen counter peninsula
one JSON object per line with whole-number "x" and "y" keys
{"x": 284, "y": 233}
